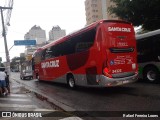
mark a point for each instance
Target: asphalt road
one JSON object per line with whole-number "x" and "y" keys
{"x": 138, "y": 96}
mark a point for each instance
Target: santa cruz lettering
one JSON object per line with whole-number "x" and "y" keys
{"x": 50, "y": 64}
{"x": 119, "y": 29}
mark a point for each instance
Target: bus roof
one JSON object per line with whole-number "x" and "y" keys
{"x": 148, "y": 34}
{"x": 62, "y": 39}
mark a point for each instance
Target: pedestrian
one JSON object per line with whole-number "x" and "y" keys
{"x": 7, "y": 82}
{"x": 3, "y": 82}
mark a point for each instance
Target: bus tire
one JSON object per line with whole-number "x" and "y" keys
{"x": 71, "y": 82}
{"x": 151, "y": 74}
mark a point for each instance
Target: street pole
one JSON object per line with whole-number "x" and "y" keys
{"x": 5, "y": 40}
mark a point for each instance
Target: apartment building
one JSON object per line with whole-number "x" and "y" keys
{"x": 97, "y": 10}
{"x": 35, "y": 33}
{"x": 56, "y": 33}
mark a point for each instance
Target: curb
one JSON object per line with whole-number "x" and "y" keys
{"x": 56, "y": 103}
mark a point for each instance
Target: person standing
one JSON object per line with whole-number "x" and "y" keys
{"x": 7, "y": 82}
{"x": 3, "y": 82}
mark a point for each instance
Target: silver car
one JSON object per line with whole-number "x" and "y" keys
{"x": 26, "y": 74}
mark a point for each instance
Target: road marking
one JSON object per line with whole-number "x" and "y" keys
{"x": 17, "y": 95}
{"x": 17, "y": 106}
{"x": 14, "y": 99}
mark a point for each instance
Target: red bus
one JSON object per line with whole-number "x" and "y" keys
{"x": 99, "y": 55}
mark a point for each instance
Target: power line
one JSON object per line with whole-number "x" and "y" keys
{"x": 7, "y": 14}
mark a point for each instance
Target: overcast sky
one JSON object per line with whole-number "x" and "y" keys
{"x": 68, "y": 14}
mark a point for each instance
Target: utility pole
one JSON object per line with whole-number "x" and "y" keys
{"x": 5, "y": 40}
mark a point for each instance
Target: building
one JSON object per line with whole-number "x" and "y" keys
{"x": 56, "y": 33}
{"x": 29, "y": 52}
{"x": 97, "y": 10}
{"x": 36, "y": 33}
{"x": 22, "y": 54}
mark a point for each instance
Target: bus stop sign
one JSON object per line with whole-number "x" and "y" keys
{"x": 24, "y": 42}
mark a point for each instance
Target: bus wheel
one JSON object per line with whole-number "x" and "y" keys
{"x": 71, "y": 82}
{"x": 151, "y": 74}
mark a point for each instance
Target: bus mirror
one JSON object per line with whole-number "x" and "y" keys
{"x": 158, "y": 57}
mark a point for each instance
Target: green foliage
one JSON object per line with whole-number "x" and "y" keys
{"x": 17, "y": 60}
{"x": 139, "y": 12}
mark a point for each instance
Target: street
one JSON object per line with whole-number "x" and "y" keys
{"x": 21, "y": 103}
{"x": 138, "y": 96}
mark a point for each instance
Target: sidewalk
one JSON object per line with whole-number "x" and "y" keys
{"x": 21, "y": 104}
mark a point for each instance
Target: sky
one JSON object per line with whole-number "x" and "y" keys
{"x": 68, "y": 14}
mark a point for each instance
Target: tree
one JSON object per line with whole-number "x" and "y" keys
{"x": 14, "y": 62}
{"x": 15, "y": 59}
{"x": 138, "y": 12}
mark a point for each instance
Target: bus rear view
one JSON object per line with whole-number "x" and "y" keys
{"x": 120, "y": 55}
{"x": 100, "y": 55}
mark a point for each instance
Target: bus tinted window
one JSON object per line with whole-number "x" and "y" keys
{"x": 37, "y": 57}
{"x": 43, "y": 52}
{"x": 79, "y": 43}
{"x": 146, "y": 51}
{"x": 48, "y": 53}
{"x": 156, "y": 43}
{"x": 85, "y": 41}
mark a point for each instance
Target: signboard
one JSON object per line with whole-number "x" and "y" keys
{"x": 28, "y": 57}
{"x": 24, "y": 42}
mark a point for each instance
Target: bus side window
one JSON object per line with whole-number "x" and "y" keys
{"x": 48, "y": 53}
{"x": 157, "y": 47}
{"x": 85, "y": 40}
{"x": 33, "y": 64}
{"x": 145, "y": 50}
{"x": 43, "y": 55}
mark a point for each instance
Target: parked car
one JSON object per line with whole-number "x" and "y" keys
{"x": 15, "y": 70}
{"x": 26, "y": 74}
{"x": 2, "y": 68}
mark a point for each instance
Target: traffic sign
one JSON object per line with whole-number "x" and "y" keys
{"x": 24, "y": 42}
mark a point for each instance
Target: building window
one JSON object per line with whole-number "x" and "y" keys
{"x": 93, "y": 5}
{"x": 94, "y": 10}
{"x": 94, "y": 1}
